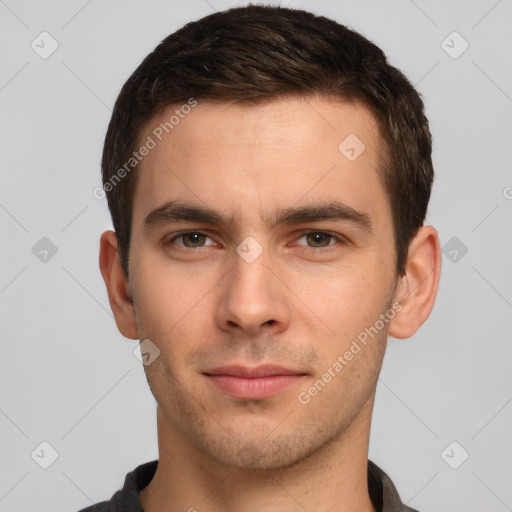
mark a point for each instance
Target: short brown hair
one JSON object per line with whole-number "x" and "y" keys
{"x": 257, "y": 53}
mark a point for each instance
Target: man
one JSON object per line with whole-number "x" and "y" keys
{"x": 268, "y": 175}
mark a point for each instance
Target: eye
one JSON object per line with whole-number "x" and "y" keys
{"x": 319, "y": 239}
{"x": 191, "y": 239}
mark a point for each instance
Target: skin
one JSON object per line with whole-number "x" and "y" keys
{"x": 300, "y": 304}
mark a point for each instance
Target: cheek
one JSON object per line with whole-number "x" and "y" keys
{"x": 351, "y": 351}
{"x": 346, "y": 300}
{"x": 172, "y": 304}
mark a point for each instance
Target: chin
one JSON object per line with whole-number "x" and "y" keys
{"x": 264, "y": 453}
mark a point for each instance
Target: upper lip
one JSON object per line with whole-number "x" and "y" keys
{"x": 252, "y": 373}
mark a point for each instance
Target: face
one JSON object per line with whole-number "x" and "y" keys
{"x": 262, "y": 267}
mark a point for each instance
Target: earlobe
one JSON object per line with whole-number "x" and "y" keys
{"x": 117, "y": 286}
{"x": 417, "y": 289}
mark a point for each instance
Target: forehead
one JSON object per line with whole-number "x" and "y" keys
{"x": 241, "y": 157}
{"x": 287, "y": 121}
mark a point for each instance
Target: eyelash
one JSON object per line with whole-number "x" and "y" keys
{"x": 326, "y": 248}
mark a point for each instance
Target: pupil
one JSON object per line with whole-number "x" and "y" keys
{"x": 194, "y": 238}
{"x": 319, "y": 237}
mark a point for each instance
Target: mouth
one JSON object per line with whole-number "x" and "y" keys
{"x": 253, "y": 383}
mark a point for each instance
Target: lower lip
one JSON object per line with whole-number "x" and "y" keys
{"x": 255, "y": 388}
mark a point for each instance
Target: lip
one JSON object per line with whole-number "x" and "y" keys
{"x": 253, "y": 383}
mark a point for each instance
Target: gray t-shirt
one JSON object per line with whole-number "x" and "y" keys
{"x": 383, "y": 493}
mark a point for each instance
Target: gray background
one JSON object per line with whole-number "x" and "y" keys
{"x": 70, "y": 379}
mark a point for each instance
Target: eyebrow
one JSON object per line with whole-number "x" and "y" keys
{"x": 174, "y": 211}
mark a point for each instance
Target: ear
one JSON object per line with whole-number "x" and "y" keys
{"x": 417, "y": 289}
{"x": 117, "y": 286}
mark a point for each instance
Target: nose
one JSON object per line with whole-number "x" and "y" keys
{"x": 253, "y": 300}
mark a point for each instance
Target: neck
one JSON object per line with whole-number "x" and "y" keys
{"x": 333, "y": 478}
